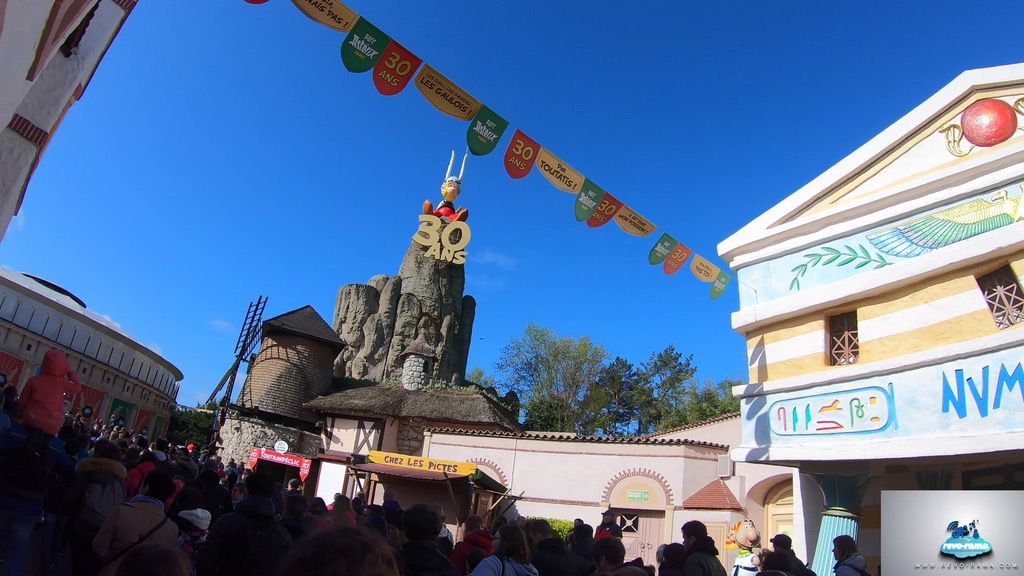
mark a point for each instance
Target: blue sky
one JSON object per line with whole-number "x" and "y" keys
{"x": 222, "y": 151}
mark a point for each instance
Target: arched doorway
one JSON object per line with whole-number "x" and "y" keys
{"x": 640, "y": 497}
{"x": 778, "y": 511}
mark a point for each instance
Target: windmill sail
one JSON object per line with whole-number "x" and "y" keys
{"x": 921, "y": 235}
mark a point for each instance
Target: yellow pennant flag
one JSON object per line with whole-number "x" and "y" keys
{"x": 560, "y": 174}
{"x": 633, "y": 223}
{"x": 704, "y": 271}
{"x": 446, "y": 95}
{"x": 330, "y": 13}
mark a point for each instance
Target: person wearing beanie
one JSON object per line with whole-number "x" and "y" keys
{"x": 193, "y": 526}
{"x": 41, "y": 404}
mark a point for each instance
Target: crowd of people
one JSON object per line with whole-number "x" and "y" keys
{"x": 117, "y": 504}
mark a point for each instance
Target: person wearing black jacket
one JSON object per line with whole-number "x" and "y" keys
{"x": 249, "y": 541}
{"x": 217, "y": 499}
{"x": 549, "y": 557}
{"x": 421, "y": 555}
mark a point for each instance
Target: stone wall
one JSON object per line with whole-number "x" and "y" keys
{"x": 240, "y": 433}
{"x": 379, "y": 320}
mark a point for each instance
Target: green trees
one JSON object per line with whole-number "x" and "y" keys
{"x": 554, "y": 378}
{"x": 190, "y": 425}
{"x": 569, "y": 385}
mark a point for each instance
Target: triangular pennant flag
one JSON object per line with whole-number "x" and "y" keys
{"x": 587, "y": 200}
{"x": 362, "y": 46}
{"x": 633, "y": 223}
{"x": 661, "y": 249}
{"x": 394, "y": 69}
{"x": 520, "y": 154}
{"x": 606, "y": 210}
{"x": 330, "y": 13}
{"x": 704, "y": 271}
{"x": 560, "y": 174}
{"x": 676, "y": 258}
{"x": 446, "y": 95}
{"x": 485, "y": 130}
{"x": 720, "y": 283}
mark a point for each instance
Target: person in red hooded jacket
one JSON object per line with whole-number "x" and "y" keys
{"x": 41, "y": 404}
{"x": 475, "y": 536}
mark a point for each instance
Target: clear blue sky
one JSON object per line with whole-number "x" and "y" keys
{"x": 222, "y": 151}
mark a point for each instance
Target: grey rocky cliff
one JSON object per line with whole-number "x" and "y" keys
{"x": 379, "y": 320}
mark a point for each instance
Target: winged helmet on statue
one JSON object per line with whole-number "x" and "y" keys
{"x": 918, "y": 236}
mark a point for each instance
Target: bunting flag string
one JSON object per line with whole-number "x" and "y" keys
{"x": 366, "y": 48}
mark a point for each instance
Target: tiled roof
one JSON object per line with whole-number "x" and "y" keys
{"x": 715, "y": 495}
{"x": 303, "y": 321}
{"x": 714, "y": 420}
{"x": 570, "y": 437}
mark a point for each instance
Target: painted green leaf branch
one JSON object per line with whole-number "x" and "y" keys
{"x": 829, "y": 256}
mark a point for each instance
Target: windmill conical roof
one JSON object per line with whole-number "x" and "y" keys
{"x": 303, "y": 321}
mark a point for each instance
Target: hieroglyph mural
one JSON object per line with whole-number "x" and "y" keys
{"x": 976, "y": 395}
{"x": 883, "y": 246}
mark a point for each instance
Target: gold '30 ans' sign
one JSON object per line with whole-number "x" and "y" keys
{"x": 444, "y": 243}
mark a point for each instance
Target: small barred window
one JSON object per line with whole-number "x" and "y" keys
{"x": 844, "y": 345}
{"x": 1004, "y": 296}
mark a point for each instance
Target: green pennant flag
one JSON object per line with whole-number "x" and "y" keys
{"x": 720, "y": 284}
{"x": 363, "y": 46}
{"x": 661, "y": 249}
{"x": 485, "y": 130}
{"x": 587, "y": 200}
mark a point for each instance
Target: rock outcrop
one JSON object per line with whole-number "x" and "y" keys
{"x": 379, "y": 320}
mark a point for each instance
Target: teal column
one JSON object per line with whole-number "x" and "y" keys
{"x": 840, "y": 516}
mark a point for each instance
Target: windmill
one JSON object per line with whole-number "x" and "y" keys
{"x": 247, "y": 339}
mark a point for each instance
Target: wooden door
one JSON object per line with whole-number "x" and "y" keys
{"x": 778, "y": 512}
{"x": 642, "y": 534}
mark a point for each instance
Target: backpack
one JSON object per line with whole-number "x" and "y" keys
{"x": 264, "y": 542}
{"x": 99, "y": 501}
{"x": 28, "y": 465}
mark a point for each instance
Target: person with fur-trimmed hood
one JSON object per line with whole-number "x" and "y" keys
{"x": 99, "y": 489}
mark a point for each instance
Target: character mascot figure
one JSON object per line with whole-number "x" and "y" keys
{"x": 746, "y": 538}
{"x": 450, "y": 189}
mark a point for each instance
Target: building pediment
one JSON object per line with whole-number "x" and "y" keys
{"x": 969, "y": 129}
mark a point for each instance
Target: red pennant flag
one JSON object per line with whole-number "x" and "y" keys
{"x": 606, "y": 211}
{"x": 521, "y": 153}
{"x": 395, "y": 68}
{"x": 676, "y": 258}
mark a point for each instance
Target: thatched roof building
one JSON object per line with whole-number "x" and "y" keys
{"x": 435, "y": 405}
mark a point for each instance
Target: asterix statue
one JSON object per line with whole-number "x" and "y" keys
{"x": 450, "y": 189}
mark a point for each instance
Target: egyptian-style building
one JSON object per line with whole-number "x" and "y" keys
{"x": 882, "y": 308}
{"x": 51, "y": 49}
